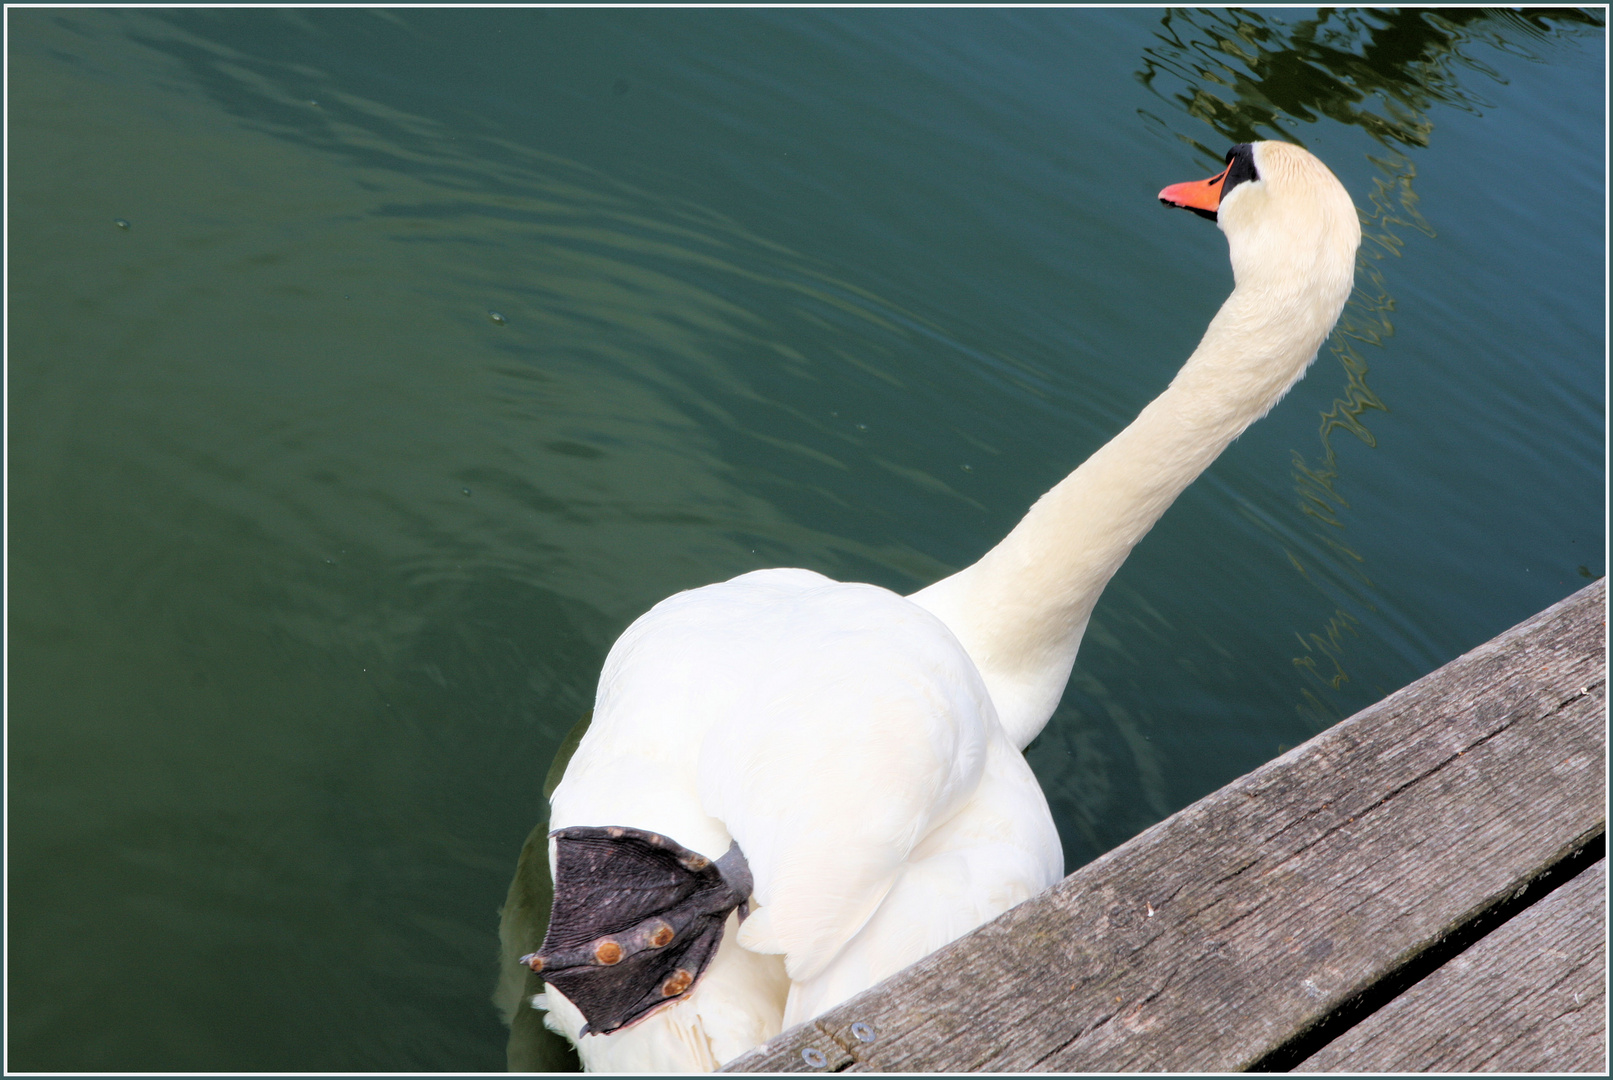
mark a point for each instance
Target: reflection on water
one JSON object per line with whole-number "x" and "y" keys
{"x": 1262, "y": 74}
{"x": 1365, "y": 322}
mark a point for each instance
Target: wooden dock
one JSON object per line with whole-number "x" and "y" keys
{"x": 1420, "y": 887}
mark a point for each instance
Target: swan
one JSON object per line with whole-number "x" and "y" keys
{"x": 793, "y": 787}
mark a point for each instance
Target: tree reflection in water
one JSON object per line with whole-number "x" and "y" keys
{"x": 1256, "y": 75}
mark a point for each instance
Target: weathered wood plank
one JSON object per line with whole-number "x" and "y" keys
{"x": 1529, "y": 997}
{"x": 1229, "y": 929}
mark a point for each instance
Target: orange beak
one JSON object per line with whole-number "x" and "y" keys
{"x": 1203, "y": 197}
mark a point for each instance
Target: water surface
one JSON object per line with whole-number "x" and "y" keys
{"x": 369, "y": 371}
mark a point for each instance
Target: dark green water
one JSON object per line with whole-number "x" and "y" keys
{"x": 313, "y": 560}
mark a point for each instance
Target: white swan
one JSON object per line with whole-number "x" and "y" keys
{"x": 847, "y": 760}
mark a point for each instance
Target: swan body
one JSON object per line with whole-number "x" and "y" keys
{"x": 861, "y": 748}
{"x": 701, "y": 733}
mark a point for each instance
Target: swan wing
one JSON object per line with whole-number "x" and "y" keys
{"x": 864, "y": 727}
{"x": 998, "y": 849}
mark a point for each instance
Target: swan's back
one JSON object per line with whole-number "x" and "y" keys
{"x": 842, "y": 737}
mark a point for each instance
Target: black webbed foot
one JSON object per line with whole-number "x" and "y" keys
{"x": 636, "y": 919}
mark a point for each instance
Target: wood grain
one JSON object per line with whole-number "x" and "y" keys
{"x": 1231, "y": 928}
{"x": 1529, "y": 997}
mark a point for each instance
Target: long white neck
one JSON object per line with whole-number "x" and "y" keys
{"x": 1021, "y": 610}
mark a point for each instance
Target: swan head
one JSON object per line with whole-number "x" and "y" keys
{"x": 1288, "y": 221}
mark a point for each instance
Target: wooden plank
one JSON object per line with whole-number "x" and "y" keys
{"x": 1529, "y": 997}
{"x": 1230, "y": 929}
